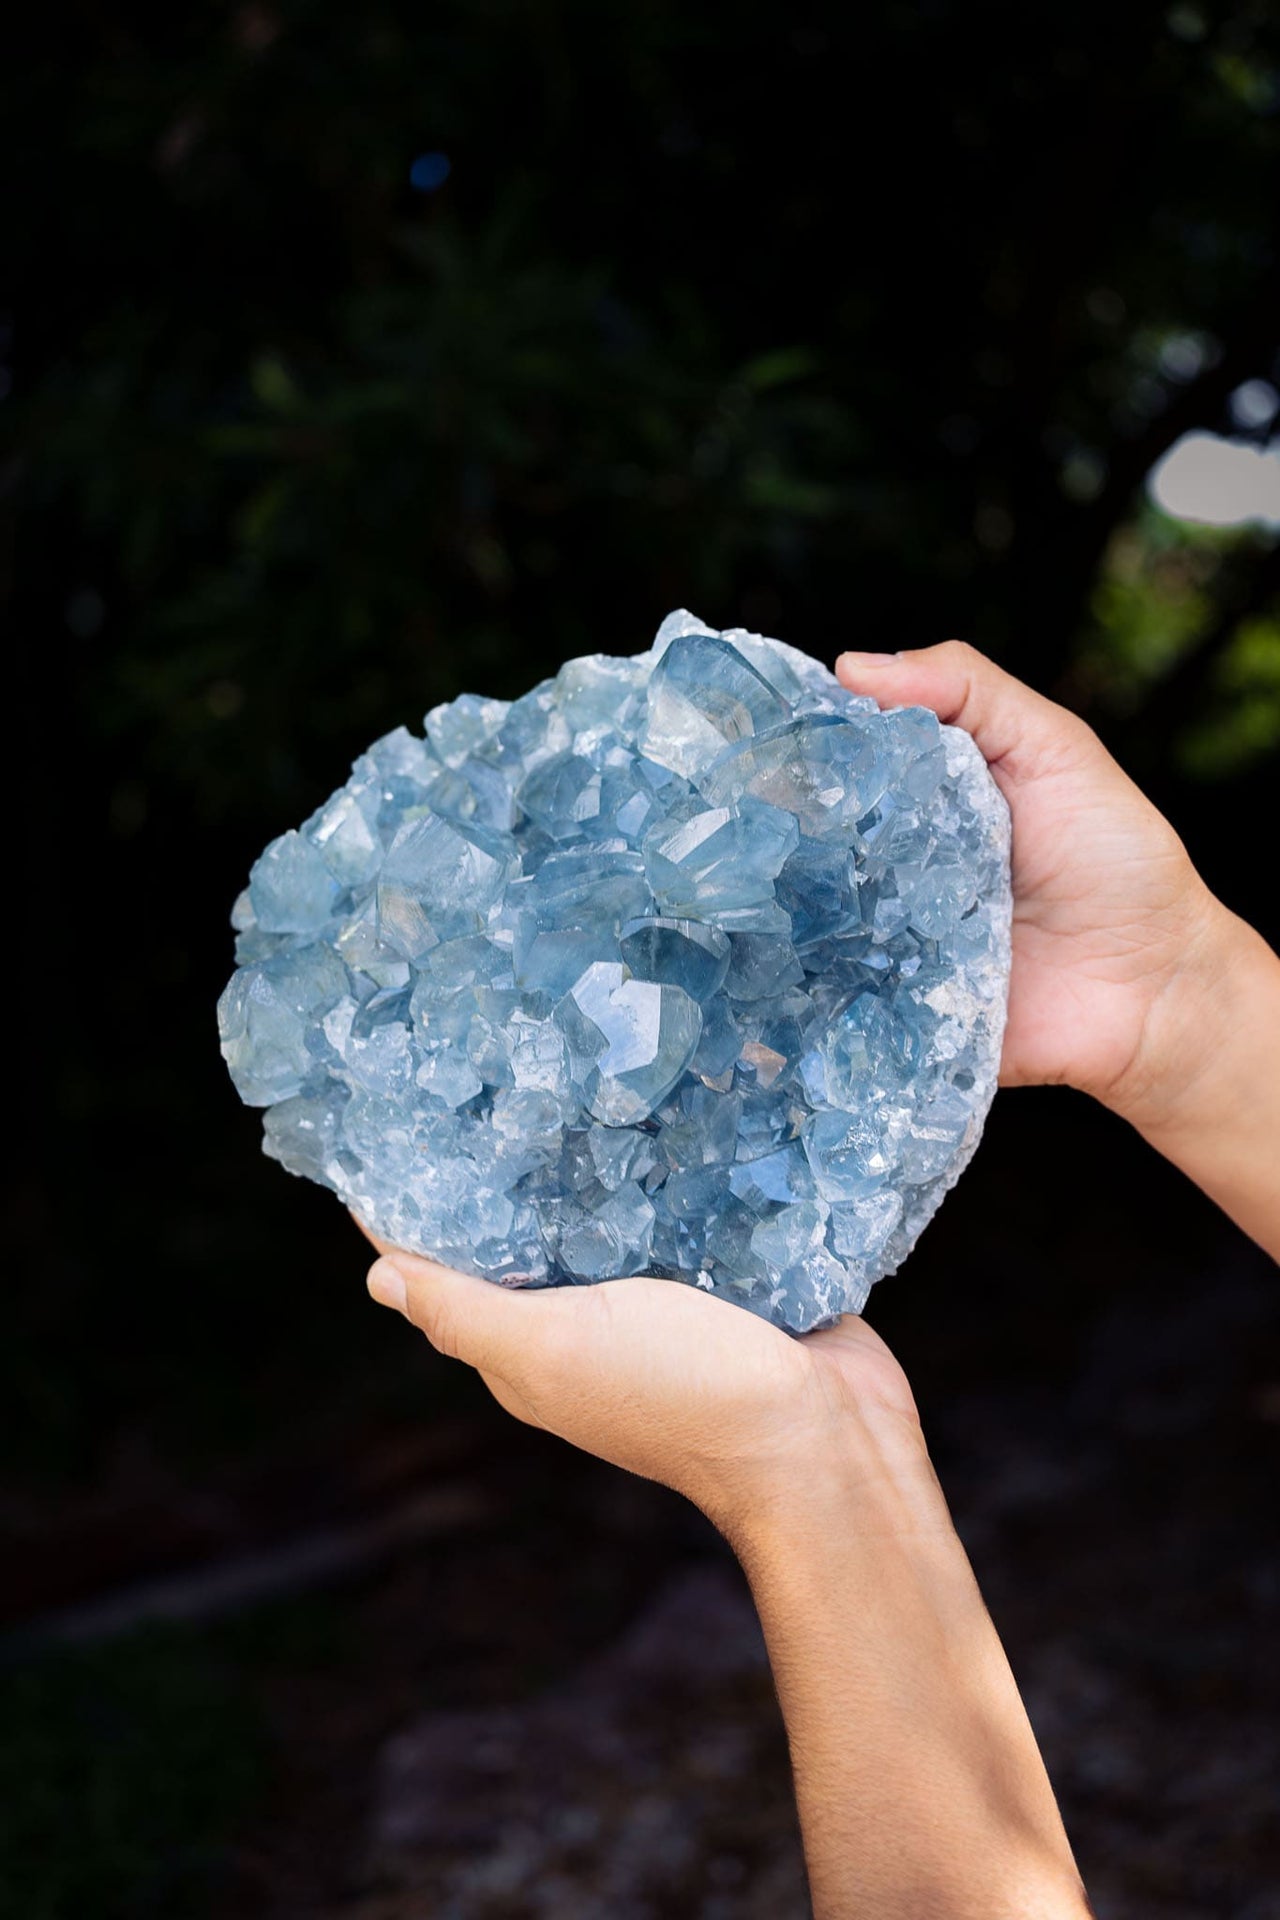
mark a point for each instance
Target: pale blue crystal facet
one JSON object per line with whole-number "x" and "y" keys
{"x": 690, "y": 963}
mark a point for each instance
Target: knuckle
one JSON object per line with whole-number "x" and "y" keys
{"x": 961, "y": 655}
{"x": 1073, "y": 741}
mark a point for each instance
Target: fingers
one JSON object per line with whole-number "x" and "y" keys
{"x": 466, "y": 1318}
{"x": 444, "y": 1306}
{"x": 1017, "y": 730}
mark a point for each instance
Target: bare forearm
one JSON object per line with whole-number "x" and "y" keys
{"x": 921, "y": 1790}
{"x": 1215, "y": 1109}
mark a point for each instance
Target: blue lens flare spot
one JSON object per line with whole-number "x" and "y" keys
{"x": 430, "y": 171}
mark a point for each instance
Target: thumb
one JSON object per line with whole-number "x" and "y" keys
{"x": 463, "y": 1317}
{"x": 1017, "y": 730}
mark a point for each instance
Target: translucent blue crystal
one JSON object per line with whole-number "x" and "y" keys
{"x": 690, "y": 963}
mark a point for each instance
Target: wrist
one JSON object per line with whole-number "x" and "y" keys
{"x": 1171, "y": 1076}
{"x": 877, "y": 1487}
{"x": 1209, "y": 1100}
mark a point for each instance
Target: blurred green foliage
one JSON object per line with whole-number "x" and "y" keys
{"x": 1244, "y": 720}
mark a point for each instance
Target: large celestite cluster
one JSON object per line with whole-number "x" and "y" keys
{"x": 690, "y": 964}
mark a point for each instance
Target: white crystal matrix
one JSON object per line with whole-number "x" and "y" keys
{"x": 690, "y": 963}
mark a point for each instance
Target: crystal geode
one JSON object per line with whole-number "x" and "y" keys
{"x": 690, "y": 964}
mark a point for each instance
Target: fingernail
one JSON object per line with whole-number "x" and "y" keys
{"x": 867, "y": 659}
{"x": 386, "y": 1285}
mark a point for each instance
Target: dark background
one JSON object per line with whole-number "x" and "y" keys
{"x": 860, "y": 326}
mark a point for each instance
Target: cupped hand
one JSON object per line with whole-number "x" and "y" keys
{"x": 683, "y": 1388}
{"x": 1110, "y": 917}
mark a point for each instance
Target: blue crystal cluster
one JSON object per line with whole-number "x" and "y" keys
{"x": 689, "y": 963}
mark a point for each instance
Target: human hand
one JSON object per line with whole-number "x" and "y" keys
{"x": 686, "y": 1389}
{"x": 1115, "y": 936}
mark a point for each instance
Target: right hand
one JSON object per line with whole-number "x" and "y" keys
{"x": 1110, "y": 922}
